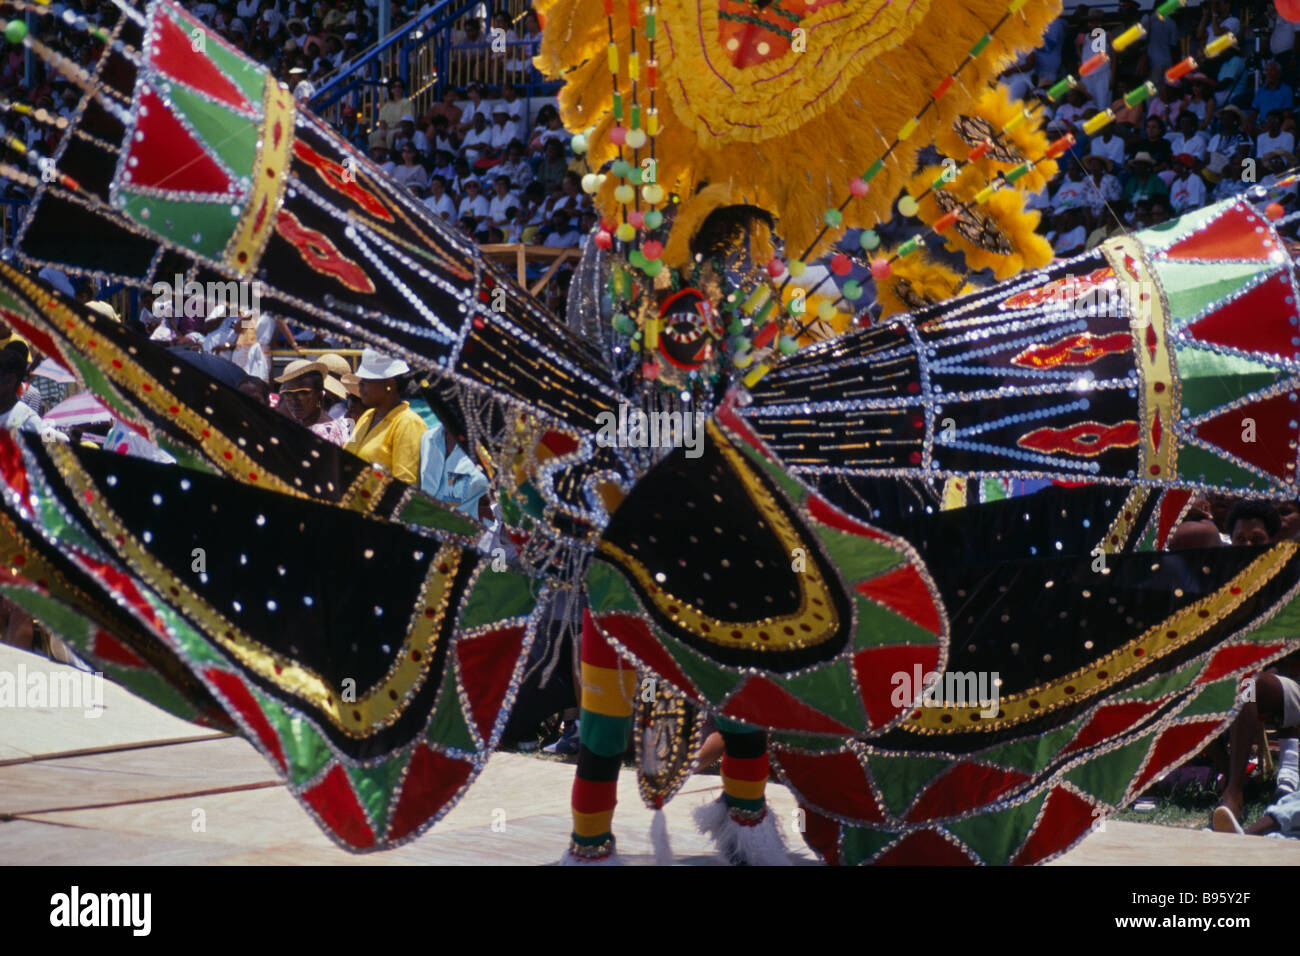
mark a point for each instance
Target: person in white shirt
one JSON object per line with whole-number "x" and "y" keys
{"x": 1274, "y": 138}
{"x": 1074, "y": 192}
{"x": 1187, "y": 191}
{"x": 1105, "y": 187}
{"x": 438, "y": 200}
{"x": 1109, "y": 145}
{"x": 478, "y": 141}
{"x": 501, "y": 204}
{"x": 1070, "y": 235}
{"x": 516, "y": 167}
{"x": 473, "y": 205}
{"x": 411, "y": 173}
{"x": 504, "y": 130}
{"x": 473, "y": 108}
{"x": 407, "y": 133}
{"x": 1188, "y": 139}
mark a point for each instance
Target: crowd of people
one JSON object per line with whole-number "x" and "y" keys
{"x": 1207, "y": 136}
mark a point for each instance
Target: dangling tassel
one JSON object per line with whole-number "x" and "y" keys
{"x": 659, "y": 839}
{"x": 743, "y": 837}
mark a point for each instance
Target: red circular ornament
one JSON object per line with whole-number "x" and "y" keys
{"x": 1274, "y": 210}
{"x": 603, "y": 240}
{"x": 880, "y": 268}
{"x": 636, "y": 218}
{"x": 617, "y": 135}
{"x": 840, "y": 264}
{"x": 775, "y": 267}
{"x": 858, "y": 186}
{"x": 652, "y": 249}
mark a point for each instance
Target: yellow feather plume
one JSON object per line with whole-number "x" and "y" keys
{"x": 789, "y": 132}
{"x": 916, "y": 282}
{"x": 1027, "y": 140}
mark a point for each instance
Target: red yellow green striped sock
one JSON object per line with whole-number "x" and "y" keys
{"x": 744, "y": 772}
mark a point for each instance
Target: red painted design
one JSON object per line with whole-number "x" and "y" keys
{"x": 12, "y": 467}
{"x": 1153, "y": 341}
{"x": 487, "y": 663}
{"x": 1082, "y": 349}
{"x": 965, "y": 787}
{"x": 1174, "y": 743}
{"x": 337, "y": 804}
{"x": 831, "y": 782}
{"x": 1236, "y": 657}
{"x": 1109, "y": 721}
{"x": 1087, "y": 439}
{"x": 752, "y": 44}
{"x": 1257, "y": 321}
{"x": 831, "y": 516}
{"x": 875, "y": 669}
{"x": 904, "y": 592}
{"x": 108, "y": 648}
{"x": 633, "y": 634}
{"x": 1273, "y": 433}
{"x": 169, "y": 157}
{"x": 1231, "y": 236}
{"x": 321, "y": 254}
{"x": 173, "y": 54}
{"x": 924, "y": 848}
{"x": 763, "y": 703}
{"x": 432, "y": 779}
{"x": 822, "y": 835}
{"x": 1171, "y": 506}
{"x": 339, "y": 179}
{"x": 1064, "y": 290}
{"x": 1064, "y": 818}
{"x": 1157, "y": 430}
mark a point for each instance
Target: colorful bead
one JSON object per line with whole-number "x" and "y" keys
{"x": 869, "y": 239}
{"x": 1061, "y": 87}
{"x": 612, "y": 53}
{"x": 636, "y": 138}
{"x": 15, "y": 32}
{"x": 590, "y": 183}
{"x": 908, "y": 128}
{"x": 833, "y": 218}
{"x": 1179, "y": 70}
{"x": 1170, "y": 7}
{"x": 946, "y": 221}
{"x": 625, "y": 232}
{"x": 1139, "y": 94}
{"x": 775, "y": 267}
{"x": 908, "y": 206}
{"x": 909, "y": 247}
{"x": 653, "y": 217}
{"x": 873, "y": 170}
{"x": 651, "y": 332}
{"x": 852, "y": 290}
{"x": 618, "y": 135}
{"x": 636, "y": 218}
{"x": 1093, "y": 63}
{"x": 578, "y": 144}
{"x": 825, "y": 310}
{"x": 624, "y": 194}
{"x": 980, "y": 151}
{"x": 787, "y": 345}
{"x": 1017, "y": 173}
{"x": 1099, "y": 121}
{"x": 981, "y": 44}
{"x": 841, "y": 265}
{"x": 1219, "y": 44}
{"x": 1059, "y": 146}
{"x": 880, "y": 268}
{"x": 603, "y": 240}
{"x": 858, "y": 186}
{"x": 1129, "y": 37}
{"x": 797, "y": 267}
{"x": 944, "y": 86}
{"x": 654, "y": 195}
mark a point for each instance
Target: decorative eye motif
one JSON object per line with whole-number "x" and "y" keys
{"x": 690, "y": 325}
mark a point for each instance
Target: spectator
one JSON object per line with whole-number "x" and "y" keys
{"x": 525, "y": 46}
{"x": 1187, "y": 191}
{"x": 389, "y": 432}
{"x": 1098, "y": 82}
{"x": 1153, "y": 142}
{"x": 562, "y": 235}
{"x": 553, "y": 167}
{"x": 478, "y": 141}
{"x": 438, "y": 199}
{"x": 1103, "y": 186}
{"x": 515, "y": 167}
{"x": 1069, "y": 235}
{"x": 1201, "y": 102}
{"x": 1168, "y": 104}
{"x": 302, "y": 399}
{"x": 472, "y": 109}
{"x": 411, "y": 173}
{"x": 1108, "y": 143}
{"x": 503, "y": 200}
{"x": 473, "y": 206}
{"x": 1274, "y": 95}
{"x": 504, "y": 130}
{"x": 1188, "y": 140}
{"x": 395, "y": 109}
{"x": 1162, "y": 37}
{"x": 439, "y": 136}
{"x": 444, "y": 167}
{"x": 1073, "y": 192}
{"x": 447, "y": 109}
{"x": 1274, "y": 137}
{"x": 1143, "y": 183}
{"x": 407, "y": 133}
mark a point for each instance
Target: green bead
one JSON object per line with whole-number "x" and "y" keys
{"x": 654, "y": 219}
{"x": 736, "y": 327}
{"x": 909, "y": 247}
{"x": 623, "y": 323}
{"x": 1060, "y": 88}
{"x": 852, "y": 290}
{"x": 981, "y": 44}
{"x": 634, "y": 176}
{"x": 16, "y": 32}
{"x": 873, "y": 170}
{"x": 797, "y": 305}
{"x": 652, "y": 267}
{"x": 621, "y": 168}
{"x": 833, "y": 218}
{"x": 637, "y": 258}
{"x": 869, "y": 239}
{"x": 787, "y": 344}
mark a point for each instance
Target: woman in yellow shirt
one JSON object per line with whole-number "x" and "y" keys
{"x": 388, "y": 432}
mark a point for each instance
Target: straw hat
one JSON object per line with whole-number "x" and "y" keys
{"x": 351, "y": 385}
{"x": 1110, "y": 163}
{"x": 338, "y": 366}
{"x": 1143, "y": 157}
{"x": 104, "y": 309}
{"x": 300, "y": 367}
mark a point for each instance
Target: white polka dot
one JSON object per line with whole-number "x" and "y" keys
{"x": 764, "y": 49}
{"x": 733, "y": 44}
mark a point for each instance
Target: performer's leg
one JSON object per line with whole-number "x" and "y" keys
{"x": 608, "y": 685}
{"x": 744, "y": 772}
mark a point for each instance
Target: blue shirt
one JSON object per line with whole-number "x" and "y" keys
{"x": 1267, "y": 100}
{"x": 452, "y": 478}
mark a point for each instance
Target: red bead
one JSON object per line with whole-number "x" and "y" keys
{"x": 618, "y": 135}
{"x": 603, "y": 240}
{"x": 1093, "y": 64}
{"x": 946, "y": 221}
{"x": 880, "y": 268}
{"x": 858, "y": 186}
{"x": 980, "y": 151}
{"x": 636, "y": 218}
{"x": 840, "y": 264}
{"x": 944, "y": 85}
{"x": 765, "y": 335}
{"x": 1059, "y": 146}
{"x": 1274, "y": 210}
{"x": 650, "y": 370}
{"x": 775, "y": 267}
{"x": 652, "y": 249}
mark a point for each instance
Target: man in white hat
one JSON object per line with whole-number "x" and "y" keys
{"x": 389, "y": 431}
{"x": 302, "y": 398}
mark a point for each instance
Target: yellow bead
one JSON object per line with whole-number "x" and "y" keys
{"x": 613, "y": 58}
{"x": 634, "y": 64}
{"x": 1016, "y": 121}
{"x": 1129, "y": 37}
{"x": 754, "y": 374}
{"x": 1099, "y": 121}
{"x": 653, "y": 193}
{"x": 625, "y": 194}
{"x": 651, "y": 332}
{"x": 756, "y": 298}
{"x": 652, "y": 122}
{"x": 625, "y": 232}
{"x": 1219, "y": 44}
{"x": 908, "y": 128}
{"x": 984, "y": 194}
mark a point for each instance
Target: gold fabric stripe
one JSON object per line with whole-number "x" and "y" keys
{"x": 270, "y": 174}
{"x": 1118, "y": 533}
{"x": 608, "y": 691}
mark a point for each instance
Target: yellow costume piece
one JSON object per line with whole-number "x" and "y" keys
{"x": 789, "y": 129}
{"x": 393, "y": 443}
{"x": 916, "y": 282}
{"x": 994, "y": 110}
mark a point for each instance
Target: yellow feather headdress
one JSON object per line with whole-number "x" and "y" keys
{"x": 787, "y": 127}
{"x": 916, "y": 282}
{"x": 989, "y": 114}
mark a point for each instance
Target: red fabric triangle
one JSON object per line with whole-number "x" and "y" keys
{"x": 1064, "y": 819}
{"x": 340, "y": 810}
{"x": 822, "y": 835}
{"x": 1174, "y": 743}
{"x": 763, "y": 703}
{"x": 487, "y": 663}
{"x": 1234, "y": 658}
{"x": 431, "y": 780}
{"x": 924, "y": 848}
{"x": 875, "y": 669}
{"x": 1109, "y": 721}
{"x": 1258, "y": 321}
{"x": 1231, "y": 236}
{"x": 633, "y": 634}
{"x": 1171, "y": 505}
{"x": 174, "y": 55}
{"x": 833, "y": 782}
{"x": 829, "y": 515}
{"x": 109, "y": 648}
{"x": 232, "y": 688}
{"x": 1273, "y": 434}
{"x": 966, "y": 786}
{"x": 168, "y": 157}
{"x": 903, "y": 591}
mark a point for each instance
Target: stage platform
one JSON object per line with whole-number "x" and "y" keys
{"x": 127, "y": 787}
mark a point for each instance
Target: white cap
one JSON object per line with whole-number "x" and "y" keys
{"x": 377, "y": 367}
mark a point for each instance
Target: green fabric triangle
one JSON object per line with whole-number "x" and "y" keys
{"x": 304, "y": 748}
{"x": 1211, "y": 380}
{"x": 1195, "y": 462}
{"x": 713, "y": 682}
{"x": 1192, "y": 289}
{"x": 1162, "y": 684}
{"x": 809, "y": 742}
{"x": 426, "y": 513}
{"x": 878, "y": 626}
{"x": 204, "y": 228}
{"x": 900, "y": 779}
{"x": 607, "y": 590}
{"x": 230, "y": 136}
{"x": 247, "y": 75}
{"x": 497, "y": 596}
{"x": 998, "y": 835}
{"x": 829, "y": 689}
{"x": 1217, "y": 699}
{"x": 1283, "y": 625}
{"x": 1107, "y": 776}
{"x": 1031, "y": 754}
{"x": 448, "y": 726}
{"x": 792, "y": 488}
{"x": 857, "y": 558}
{"x": 993, "y": 490}
{"x": 374, "y": 787}
{"x": 862, "y": 843}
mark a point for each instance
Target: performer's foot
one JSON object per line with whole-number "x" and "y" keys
{"x": 1225, "y": 821}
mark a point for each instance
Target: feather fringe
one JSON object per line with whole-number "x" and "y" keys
{"x": 663, "y": 849}
{"x": 759, "y": 845}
